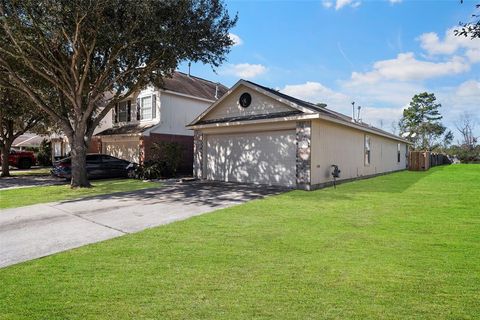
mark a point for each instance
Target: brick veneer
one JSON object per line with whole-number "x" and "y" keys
{"x": 303, "y": 154}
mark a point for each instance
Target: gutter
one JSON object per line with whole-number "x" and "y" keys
{"x": 295, "y": 118}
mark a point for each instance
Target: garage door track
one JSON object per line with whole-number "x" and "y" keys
{"x": 36, "y": 231}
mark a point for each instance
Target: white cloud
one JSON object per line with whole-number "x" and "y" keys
{"x": 394, "y": 1}
{"x": 406, "y": 67}
{"x": 237, "y": 41}
{"x": 450, "y": 44}
{"x": 244, "y": 70}
{"x": 315, "y": 92}
{"x": 327, "y": 3}
{"x": 339, "y": 4}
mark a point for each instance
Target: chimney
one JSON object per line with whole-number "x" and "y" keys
{"x": 353, "y": 111}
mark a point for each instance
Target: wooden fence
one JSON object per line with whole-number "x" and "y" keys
{"x": 424, "y": 160}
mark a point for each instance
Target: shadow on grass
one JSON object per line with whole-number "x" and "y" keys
{"x": 212, "y": 194}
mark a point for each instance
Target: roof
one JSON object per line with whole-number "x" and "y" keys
{"x": 127, "y": 129}
{"x": 28, "y": 140}
{"x": 252, "y": 117}
{"x": 322, "y": 110}
{"x": 315, "y": 109}
{"x": 193, "y": 86}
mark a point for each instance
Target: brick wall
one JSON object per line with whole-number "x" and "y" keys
{"x": 186, "y": 166}
{"x": 95, "y": 145}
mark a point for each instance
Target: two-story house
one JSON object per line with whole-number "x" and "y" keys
{"x": 154, "y": 115}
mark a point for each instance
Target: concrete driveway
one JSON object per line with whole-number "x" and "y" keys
{"x": 36, "y": 231}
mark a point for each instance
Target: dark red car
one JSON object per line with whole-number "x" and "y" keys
{"x": 21, "y": 159}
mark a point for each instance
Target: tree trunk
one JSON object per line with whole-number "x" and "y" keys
{"x": 79, "y": 161}
{"x": 5, "y": 151}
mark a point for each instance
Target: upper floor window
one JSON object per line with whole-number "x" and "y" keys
{"x": 146, "y": 108}
{"x": 367, "y": 147}
{"x": 123, "y": 111}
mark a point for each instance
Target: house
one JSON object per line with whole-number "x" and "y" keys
{"x": 153, "y": 115}
{"x": 254, "y": 134}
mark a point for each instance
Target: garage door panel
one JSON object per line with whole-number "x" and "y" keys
{"x": 127, "y": 150}
{"x": 262, "y": 157}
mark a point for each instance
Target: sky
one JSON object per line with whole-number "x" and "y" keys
{"x": 376, "y": 53}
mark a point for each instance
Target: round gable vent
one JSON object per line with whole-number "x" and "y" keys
{"x": 245, "y": 99}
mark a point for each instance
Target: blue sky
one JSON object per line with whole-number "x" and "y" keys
{"x": 376, "y": 53}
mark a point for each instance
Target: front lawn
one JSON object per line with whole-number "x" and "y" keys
{"x": 400, "y": 246}
{"x": 31, "y": 172}
{"x": 12, "y": 198}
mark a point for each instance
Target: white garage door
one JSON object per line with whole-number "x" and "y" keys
{"x": 127, "y": 150}
{"x": 258, "y": 157}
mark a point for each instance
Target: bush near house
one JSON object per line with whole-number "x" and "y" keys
{"x": 44, "y": 154}
{"x": 166, "y": 157}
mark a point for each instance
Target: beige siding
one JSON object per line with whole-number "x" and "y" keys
{"x": 343, "y": 146}
{"x": 176, "y": 112}
{"x": 261, "y": 104}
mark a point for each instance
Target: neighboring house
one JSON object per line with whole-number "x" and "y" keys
{"x": 254, "y": 134}
{"x": 28, "y": 140}
{"x": 156, "y": 114}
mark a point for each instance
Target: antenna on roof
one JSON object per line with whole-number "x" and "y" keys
{"x": 358, "y": 117}
{"x": 353, "y": 111}
{"x": 189, "y": 65}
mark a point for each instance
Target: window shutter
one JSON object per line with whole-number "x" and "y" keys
{"x": 139, "y": 110}
{"x": 129, "y": 110}
{"x": 154, "y": 106}
{"x": 115, "y": 114}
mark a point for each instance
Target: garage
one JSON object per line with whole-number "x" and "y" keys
{"x": 123, "y": 149}
{"x": 254, "y": 134}
{"x": 255, "y": 157}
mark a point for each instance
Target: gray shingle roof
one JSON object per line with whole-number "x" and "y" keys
{"x": 127, "y": 129}
{"x": 251, "y": 117}
{"x": 183, "y": 83}
{"x": 324, "y": 111}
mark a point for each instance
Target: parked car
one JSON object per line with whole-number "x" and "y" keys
{"x": 21, "y": 159}
{"x": 98, "y": 166}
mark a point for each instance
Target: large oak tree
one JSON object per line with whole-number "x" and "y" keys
{"x": 94, "y": 53}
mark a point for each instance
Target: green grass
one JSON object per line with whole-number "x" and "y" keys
{"x": 32, "y": 195}
{"x": 400, "y": 246}
{"x": 31, "y": 172}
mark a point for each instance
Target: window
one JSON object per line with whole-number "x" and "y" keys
{"x": 398, "y": 152}
{"x": 123, "y": 111}
{"x": 367, "y": 150}
{"x": 146, "y": 107}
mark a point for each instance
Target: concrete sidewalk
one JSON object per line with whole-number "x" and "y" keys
{"x": 36, "y": 231}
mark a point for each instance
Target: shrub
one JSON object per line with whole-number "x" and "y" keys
{"x": 44, "y": 154}
{"x": 166, "y": 157}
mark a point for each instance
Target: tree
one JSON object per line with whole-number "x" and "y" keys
{"x": 17, "y": 116}
{"x": 420, "y": 122}
{"x": 96, "y": 53}
{"x": 470, "y": 29}
{"x": 447, "y": 139}
{"x": 466, "y": 127}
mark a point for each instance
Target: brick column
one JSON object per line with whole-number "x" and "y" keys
{"x": 198, "y": 154}
{"x": 303, "y": 161}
